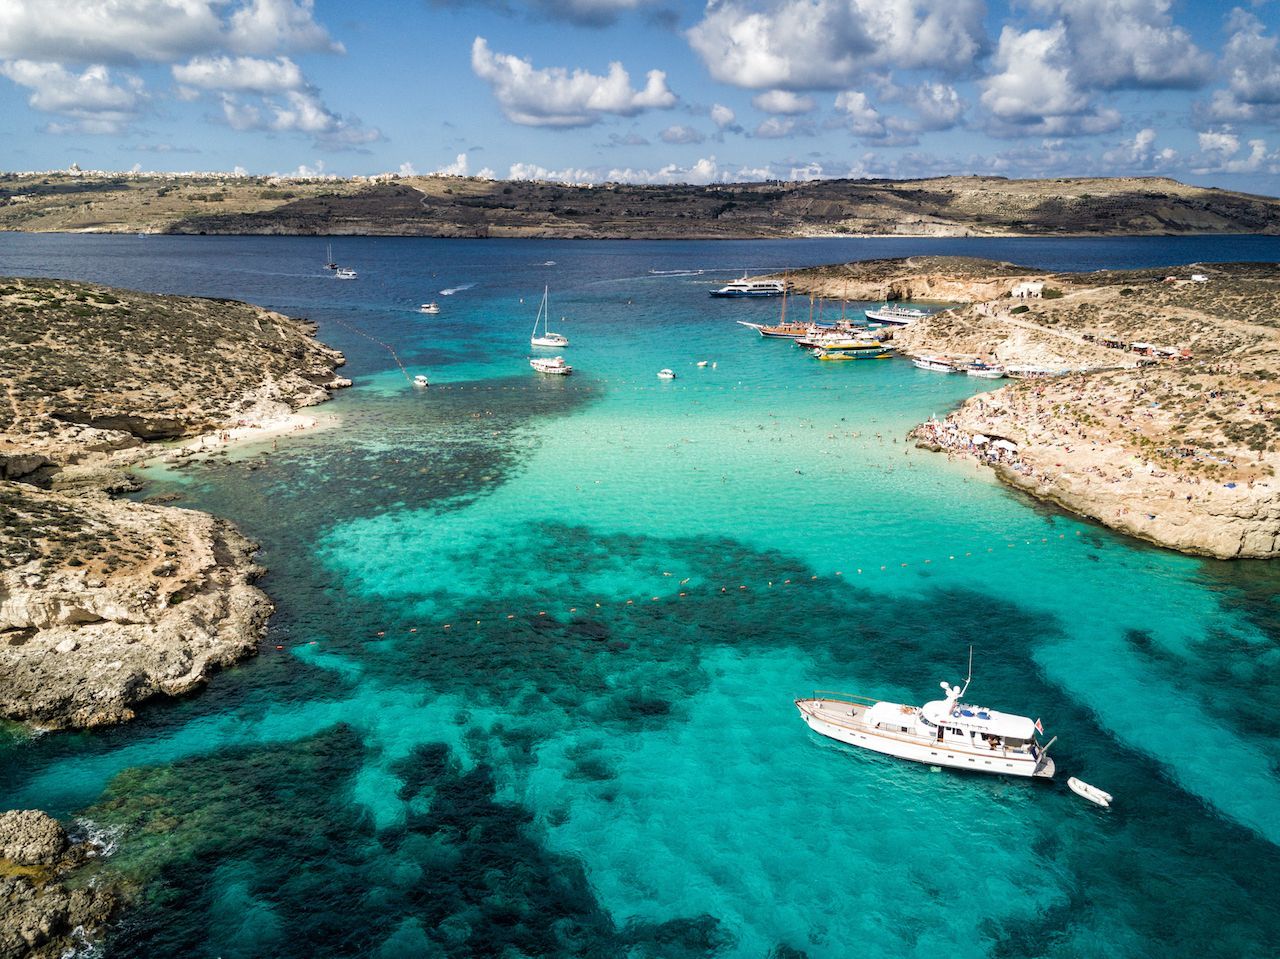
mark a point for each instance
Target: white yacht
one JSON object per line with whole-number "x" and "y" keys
{"x": 420, "y": 381}
{"x": 945, "y": 732}
{"x": 342, "y": 273}
{"x": 935, "y": 364}
{"x": 554, "y": 365}
{"x": 984, "y": 371}
{"x": 666, "y": 374}
{"x": 546, "y": 337}
{"x": 429, "y": 308}
{"x": 895, "y": 314}
{"x": 749, "y": 287}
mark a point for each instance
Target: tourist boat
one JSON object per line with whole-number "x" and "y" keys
{"x": 342, "y": 273}
{"x": 876, "y": 352}
{"x": 984, "y": 370}
{"x": 429, "y": 308}
{"x": 420, "y": 381}
{"x": 945, "y": 732}
{"x": 895, "y": 314}
{"x": 936, "y": 364}
{"x": 836, "y": 340}
{"x": 750, "y": 287}
{"x": 666, "y": 374}
{"x": 554, "y": 365}
{"x": 328, "y": 257}
{"x": 1031, "y": 372}
{"x": 791, "y": 331}
{"x": 546, "y": 338}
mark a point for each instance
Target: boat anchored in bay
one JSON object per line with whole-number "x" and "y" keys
{"x": 944, "y": 732}
{"x": 895, "y": 314}
{"x": 749, "y": 287}
{"x": 546, "y": 338}
{"x": 554, "y": 365}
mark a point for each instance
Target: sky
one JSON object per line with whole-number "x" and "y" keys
{"x": 647, "y": 91}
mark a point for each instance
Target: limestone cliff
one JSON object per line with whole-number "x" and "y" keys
{"x": 105, "y": 603}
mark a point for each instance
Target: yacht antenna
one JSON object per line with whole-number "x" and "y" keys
{"x": 968, "y": 678}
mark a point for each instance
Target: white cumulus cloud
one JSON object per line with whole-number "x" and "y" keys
{"x": 782, "y": 101}
{"x": 557, "y": 97}
{"x": 825, "y": 44}
{"x": 92, "y": 99}
{"x": 240, "y": 73}
{"x": 679, "y": 133}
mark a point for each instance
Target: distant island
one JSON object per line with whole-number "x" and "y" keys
{"x": 1158, "y": 409}
{"x": 446, "y": 206}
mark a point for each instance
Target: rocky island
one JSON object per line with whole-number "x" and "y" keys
{"x": 105, "y": 602}
{"x": 1154, "y": 402}
{"x": 456, "y": 206}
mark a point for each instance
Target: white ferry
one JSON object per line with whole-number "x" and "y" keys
{"x": 945, "y": 732}
{"x": 750, "y": 287}
{"x": 895, "y": 314}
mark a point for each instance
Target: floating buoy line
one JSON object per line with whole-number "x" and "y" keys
{"x": 683, "y": 590}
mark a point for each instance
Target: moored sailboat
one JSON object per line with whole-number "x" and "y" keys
{"x": 546, "y": 338}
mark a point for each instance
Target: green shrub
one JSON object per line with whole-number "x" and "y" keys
{"x": 1021, "y": 309}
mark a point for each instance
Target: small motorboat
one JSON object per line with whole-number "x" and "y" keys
{"x": 1091, "y": 793}
{"x": 343, "y": 273}
{"x": 420, "y": 381}
{"x": 429, "y": 308}
{"x": 554, "y": 365}
{"x": 666, "y": 374}
{"x": 701, "y": 363}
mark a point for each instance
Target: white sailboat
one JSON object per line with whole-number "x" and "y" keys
{"x": 547, "y": 338}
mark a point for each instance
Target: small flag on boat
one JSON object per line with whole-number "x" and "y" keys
{"x": 1039, "y": 728}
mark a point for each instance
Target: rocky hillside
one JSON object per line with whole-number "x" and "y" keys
{"x": 105, "y": 603}
{"x": 90, "y": 369}
{"x": 468, "y": 207}
{"x": 1181, "y": 449}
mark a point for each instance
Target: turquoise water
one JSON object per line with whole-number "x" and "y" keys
{"x": 540, "y": 640}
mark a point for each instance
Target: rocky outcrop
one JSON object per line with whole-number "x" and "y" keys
{"x": 48, "y": 909}
{"x": 1161, "y": 417}
{"x": 105, "y": 603}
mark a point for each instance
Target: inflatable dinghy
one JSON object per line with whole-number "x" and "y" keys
{"x": 1091, "y": 793}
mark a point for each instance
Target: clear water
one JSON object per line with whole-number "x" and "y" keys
{"x": 541, "y": 638}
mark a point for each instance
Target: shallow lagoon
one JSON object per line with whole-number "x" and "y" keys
{"x": 587, "y": 762}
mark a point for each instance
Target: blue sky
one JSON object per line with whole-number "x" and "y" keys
{"x": 647, "y": 90}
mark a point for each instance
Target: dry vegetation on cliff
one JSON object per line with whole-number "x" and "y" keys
{"x": 470, "y": 207}
{"x": 1184, "y": 452}
{"x": 105, "y": 603}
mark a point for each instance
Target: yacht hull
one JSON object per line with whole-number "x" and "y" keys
{"x": 841, "y": 721}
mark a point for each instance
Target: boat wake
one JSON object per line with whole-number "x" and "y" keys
{"x": 676, "y": 272}
{"x": 456, "y": 289}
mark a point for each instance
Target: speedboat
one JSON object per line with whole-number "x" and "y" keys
{"x": 666, "y": 374}
{"x": 342, "y": 273}
{"x": 420, "y": 381}
{"x": 944, "y": 732}
{"x": 429, "y": 308}
{"x": 935, "y": 364}
{"x": 701, "y": 363}
{"x": 895, "y": 314}
{"x": 554, "y": 365}
{"x": 750, "y": 287}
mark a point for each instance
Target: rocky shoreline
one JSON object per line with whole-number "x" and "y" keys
{"x": 105, "y": 603}
{"x": 49, "y": 906}
{"x": 1162, "y": 418}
